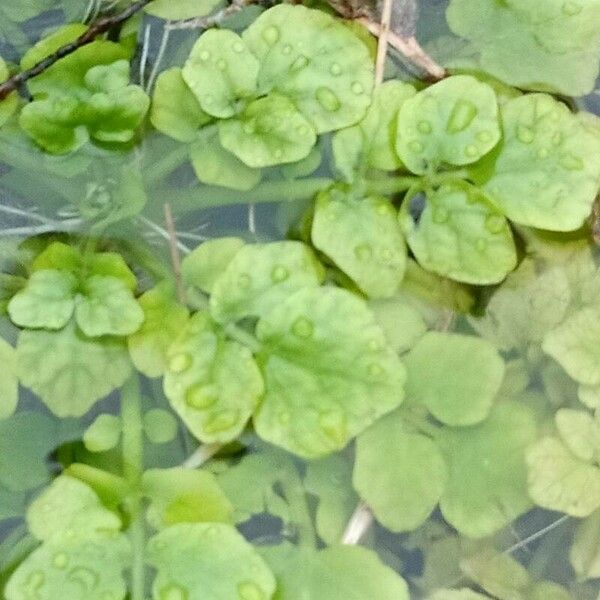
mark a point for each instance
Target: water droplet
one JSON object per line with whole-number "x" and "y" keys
{"x": 287, "y": 49}
{"x": 85, "y": 578}
{"x": 250, "y": 591}
{"x": 327, "y": 99}
{"x": 302, "y": 129}
{"x": 279, "y": 274}
{"x": 374, "y": 345}
{"x": 386, "y": 254}
{"x": 375, "y": 370}
{"x": 357, "y": 88}
{"x": 557, "y": 138}
{"x": 221, "y": 64}
{"x": 299, "y": 63}
{"x": 204, "y": 55}
{"x": 238, "y": 47}
{"x": 571, "y": 162}
{"x": 278, "y": 154}
{"x": 424, "y": 127}
{"x": 33, "y": 584}
{"x": 208, "y": 99}
{"x": 571, "y": 9}
{"x": 416, "y": 146}
{"x": 173, "y": 592}
{"x": 384, "y": 209}
{"x": 494, "y": 223}
{"x": 462, "y": 115}
{"x": 249, "y": 128}
{"x": 333, "y": 424}
{"x": 543, "y": 153}
{"x": 244, "y": 281}
{"x": 471, "y": 150}
{"x": 363, "y": 252}
{"x": 440, "y": 215}
{"x": 485, "y": 136}
{"x": 61, "y": 560}
{"x": 284, "y": 417}
{"x": 201, "y": 397}
{"x": 271, "y": 34}
{"x": 480, "y": 245}
{"x": 180, "y": 362}
{"x": 302, "y": 327}
{"x": 221, "y": 421}
{"x": 525, "y": 134}
{"x": 335, "y": 69}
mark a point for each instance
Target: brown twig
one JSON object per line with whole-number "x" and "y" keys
{"x": 382, "y": 44}
{"x": 175, "y": 257}
{"x": 95, "y": 30}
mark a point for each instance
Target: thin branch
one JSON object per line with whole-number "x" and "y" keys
{"x": 210, "y": 20}
{"x": 95, "y": 30}
{"x": 19, "y": 212}
{"x": 175, "y": 258}
{"x": 158, "y": 60}
{"x": 50, "y": 227}
{"x": 164, "y": 234}
{"x": 144, "y": 55}
{"x": 359, "y": 524}
{"x": 382, "y": 45}
{"x": 537, "y": 535}
{"x": 410, "y": 48}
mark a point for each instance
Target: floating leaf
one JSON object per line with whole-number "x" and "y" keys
{"x": 181, "y": 495}
{"x": 558, "y": 480}
{"x": 585, "y": 551}
{"x": 399, "y": 474}
{"x": 207, "y": 561}
{"x": 160, "y": 426}
{"x": 9, "y": 384}
{"x": 457, "y": 377}
{"x": 164, "y": 318}
{"x": 491, "y": 457}
{"x": 70, "y": 371}
{"x": 452, "y": 122}
{"x": 175, "y": 110}
{"x": 402, "y": 324}
{"x": 546, "y": 172}
{"x": 319, "y": 64}
{"x": 363, "y": 238}
{"x": 260, "y": 276}
{"x": 213, "y": 384}
{"x": 459, "y": 234}
{"x": 580, "y": 432}
{"x": 220, "y": 71}
{"x": 214, "y": 165}
{"x": 173, "y": 10}
{"x": 270, "y": 131}
{"x": 328, "y": 372}
{"x": 103, "y": 434}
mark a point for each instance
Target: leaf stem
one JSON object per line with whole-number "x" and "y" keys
{"x": 391, "y": 185}
{"x": 299, "y": 511}
{"x": 133, "y": 466}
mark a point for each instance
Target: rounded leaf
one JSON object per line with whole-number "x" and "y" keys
{"x": 319, "y": 64}
{"x": 452, "y": 122}
{"x": 160, "y": 426}
{"x": 103, "y": 434}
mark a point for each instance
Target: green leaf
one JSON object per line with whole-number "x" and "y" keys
{"x": 9, "y": 384}
{"x": 558, "y": 38}
{"x": 558, "y": 480}
{"x": 372, "y": 142}
{"x": 462, "y": 594}
{"x": 175, "y": 110}
{"x": 213, "y": 384}
{"x": 10, "y": 104}
{"x": 202, "y": 267}
{"x": 580, "y": 432}
{"x": 69, "y": 504}
{"x": 103, "y": 434}
{"x": 589, "y": 395}
{"x": 78, "y": 567}
{"x": 319, "y": 64}
{"x": 207, "y": 561}
{"x": 270, "y": 131}
{"x": 69, "y": 371}
{"x": 460, "y": 234}
{"x": 328, "y": 372}
{"x": 363, "y": 238}
{"x": 330, "y": 481}
{"x": 58, "y": 256}
{"x": 452, "y": 122}
{"x": 181, "y": 495}
{"x": 585, "y": 551}
{"x": 261, "y": 276}
{"x": 173, "y": 10}
{"x": 574, "y": 345}
{"x": 164, "y": 318}
{"x": 214, "y": 165}
{"x": 107, "y": 307}
{"x": 457, "y": 377}
{"x": 399, "y": 474}
{"x": 334, "y": 573}
{"x": 220, "y": 71}
{"x": 491, "y": 457}
{"x": 160, "y": 426}
{"x": 546, "y": 172}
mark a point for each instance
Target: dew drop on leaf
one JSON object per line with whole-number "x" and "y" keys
{"x": 238, "y": 47}
{"x": 480, "y": 244}
{"x": 494, "y": 223}
{"x": 327, "y": 99}
{"x": 543, "y": 153}
{"x": 571, "y": 8}
{"x": 180, "y": 362}
{"x": 335, "y": 69}
{"x": 557, "y": 138}
{"x": 375, "y": 370}
{"x": 271, "y": 35}
{"x": 462, "y": 115}
{"x": 221, "y": 421}
{"x": 61, "y": 560}
{"x": 284, "y": 417}
{"x": 471, "y": 150}
{"x": 357, "y": 88}
{"x": 484, "y": 136}
{"x": 244, "y": 281}
{"x": 302, "y": 327}
{"x": 416, "y": 146}
{"x": 333, "y": 424}
{"x": 279, "y": 274}
{"x": 363, "y": 252}
{"x": 204, "y": 55}
{"x": 287, "y": 49}
{"x": 440, "y": 215}
{"x": 571, "y": 162}
{"x": 33, "y": 584}
{"x": 424, "y": 127}
{"x": 525, "y": 134}
{"x": 86, "y": 578}
{"x": 299, "y": 63}
{"x": 250, "y": 591}
{"x": 173, "y": 592}
{"x": 201, "y": 397}
{"x": 221, "y": 64}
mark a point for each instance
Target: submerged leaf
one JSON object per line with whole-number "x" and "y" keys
{"x": 213, "y": 384}
{"x": 207, "y": 561}
{"x": 328, "y": 372}
{"x": 363, "y": 237}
